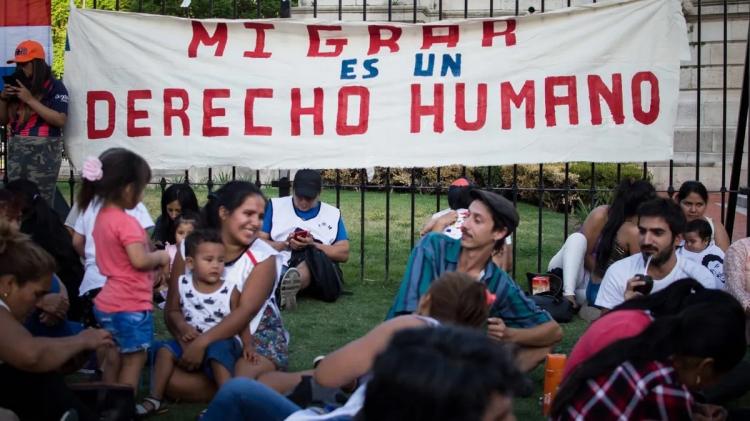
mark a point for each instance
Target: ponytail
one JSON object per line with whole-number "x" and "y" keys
{"x": 615, "y": 219}
{"x": 86, "y": 194}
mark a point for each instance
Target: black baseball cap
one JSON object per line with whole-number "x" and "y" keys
{"x": 500, "y": 207}
{"x": 307, "y": 183}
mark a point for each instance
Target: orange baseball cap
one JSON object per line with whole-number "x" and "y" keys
{"x": 26, "y": 51}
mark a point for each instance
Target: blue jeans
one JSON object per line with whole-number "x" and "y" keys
{"x": 239, "y": 398}
{"x": 592, "y": 290}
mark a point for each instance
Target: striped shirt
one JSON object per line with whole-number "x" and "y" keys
{"x": 56, "y": 98}
{"x": 436, "y": 254}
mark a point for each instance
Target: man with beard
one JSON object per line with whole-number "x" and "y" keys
{"x": 661, "y": 223}
{"x": 514, "y": 318}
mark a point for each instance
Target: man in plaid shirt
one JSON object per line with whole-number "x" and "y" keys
{"x": 513, "y": 317}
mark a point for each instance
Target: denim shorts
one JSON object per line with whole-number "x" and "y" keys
{"x": 592, "y": 290}
{"x": 225, "y": 352}
{"x": 132, "y": 331}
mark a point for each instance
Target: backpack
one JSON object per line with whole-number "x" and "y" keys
{"x": 561, "y": 309}
{"x": 327, "y": 278}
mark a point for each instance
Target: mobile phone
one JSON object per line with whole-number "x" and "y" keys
{"x": 644, "y": 289}
{"x": 301, "y": 233}
{"x": 10, "y": 80}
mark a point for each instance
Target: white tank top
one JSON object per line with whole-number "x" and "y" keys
{"x": 204, "y": 311}
{"x": 240, "y": 269}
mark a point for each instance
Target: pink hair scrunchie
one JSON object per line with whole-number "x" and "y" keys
{"x": 92, "y": 169}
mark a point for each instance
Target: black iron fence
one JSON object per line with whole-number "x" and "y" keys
{"x": 510, "y": 186}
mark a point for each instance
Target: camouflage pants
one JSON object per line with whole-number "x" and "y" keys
{"x": 37, "y": 159}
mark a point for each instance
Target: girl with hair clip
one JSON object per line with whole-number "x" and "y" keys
{"x": 653, "y": 375}
{"x": 236, "y": 211}
{"x": 693, "y": 199}
{"x": 609, "y": 233}
{"x": 125, "y": 303}
{"x": 176, "y": 200}
{"x": 30, "y": 384}
{"x": 83, "y": 237}
{"x": 453, "y": 299}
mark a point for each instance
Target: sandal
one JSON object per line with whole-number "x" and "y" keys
{"x": 150, "y": 406}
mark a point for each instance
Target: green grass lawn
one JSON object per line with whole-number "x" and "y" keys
{"x": 318, "y": 328}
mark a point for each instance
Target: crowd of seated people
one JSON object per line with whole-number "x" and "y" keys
{"x": 653, "y": 267}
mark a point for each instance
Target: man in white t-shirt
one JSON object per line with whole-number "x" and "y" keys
{"x": 661, "y": 223}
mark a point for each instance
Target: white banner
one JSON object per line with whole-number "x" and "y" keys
{"x": 590, "y": 83}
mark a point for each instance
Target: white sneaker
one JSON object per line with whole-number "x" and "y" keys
{"x": 290, "y": 285}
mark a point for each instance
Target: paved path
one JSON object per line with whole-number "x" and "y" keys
{"x": 740, "y": 219}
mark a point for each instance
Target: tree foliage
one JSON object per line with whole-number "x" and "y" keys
{"x": 229, "y": 9}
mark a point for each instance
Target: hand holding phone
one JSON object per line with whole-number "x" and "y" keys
{"x": 10, "y": 80}
{"x": 300, "y": 233}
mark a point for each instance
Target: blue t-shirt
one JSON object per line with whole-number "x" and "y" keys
{"x": 305, "y": 216}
